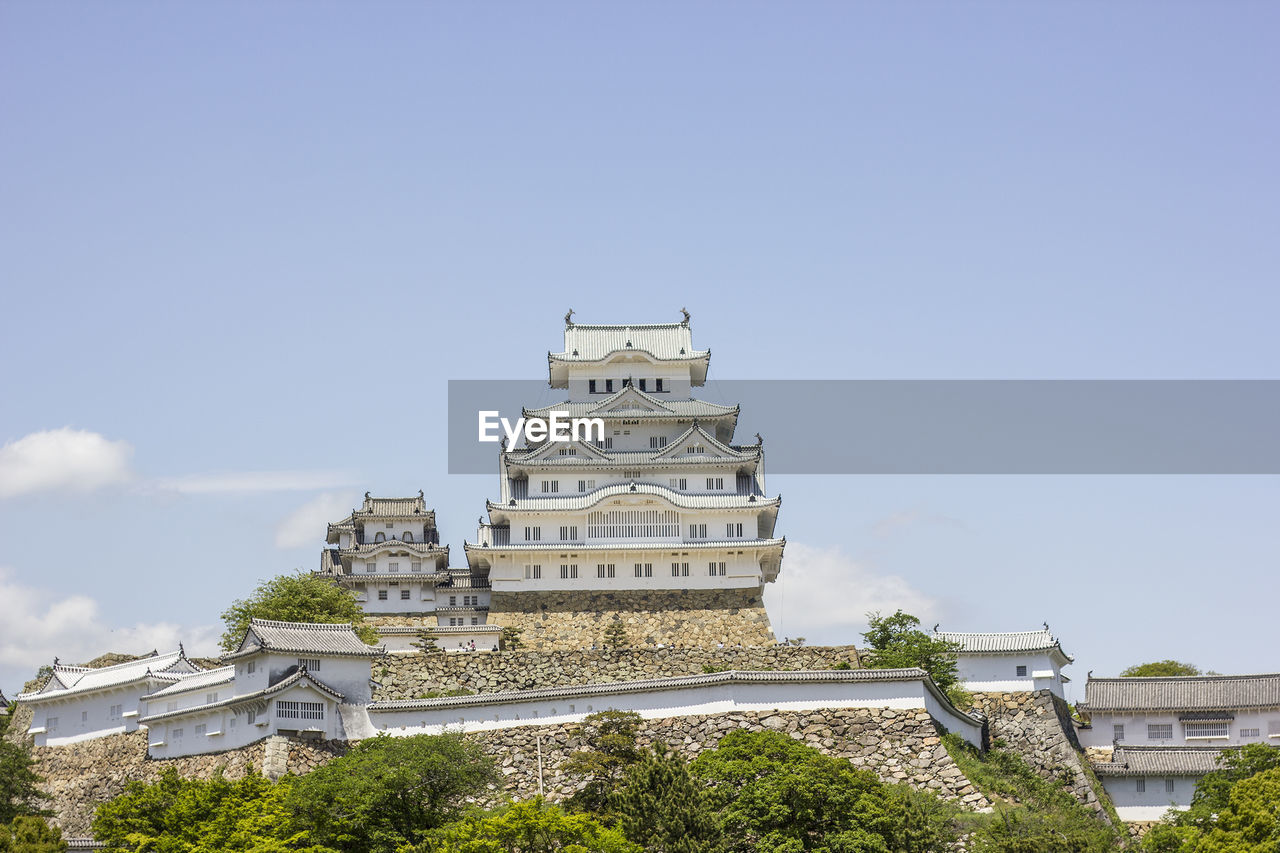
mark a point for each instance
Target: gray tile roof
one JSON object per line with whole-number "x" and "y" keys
{"x": 680, "y": 409}
{"x": 711, "y": 500}
{"x": 1160, "y": 761}
{"x": 394, "y": 507}
{"x": 1192, "y": 693}
{"x": 303, "y": 638}
{"x": 71, "y": 680}
{"x": 590, "y": 342}
{"x": 645, "y": 685}
{"x": 197, "y": 681}
{"x": 686, "y": 545}
{"x": 256, "y": 696}
{"x": 423, "y": 549}
{"x": 402, "y": 630}
{"x": 635, "y": 458}
{"x": 1012, "y": 642}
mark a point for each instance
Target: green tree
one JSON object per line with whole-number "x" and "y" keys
{"x": 389, "y": 791}
{"x": 615, "y": 636}
{"x": 1160, "y": 669}
{"x": 299, "y": 597}
{"x": 897, "y": 642}
{"x": 509, "y": 640}
{"x": 1211, "y": 799}
{"x": 664, "y": 809}
{"x": 526, "y": 827}
{"x": 19, "y": 784}
{"x": 176, "y": 815}
{"x": 28, "y": 834}
{"x": 774, "y": 794}
{"x": 425, "y": 641}
{"x": 601, "y": 767}
{"x": 1248, "y": 822}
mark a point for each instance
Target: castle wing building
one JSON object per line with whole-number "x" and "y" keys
{"x": 1010, "y": 662}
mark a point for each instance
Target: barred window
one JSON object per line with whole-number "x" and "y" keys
{"x": 644, "y": 570}
{"x": 1141, "y": 786}
{"x": 201, "y": 729}
{"x": 177, "y": 734}
{"x": 1117, "y": 732}
{"x": 1216, "y": 728}
{"x": 568, "y": 571}
{"x": 606, "y": 570}
{"x": 533, "y": 572}
{"x": 679, "y": 570}
{"x": 633, "y": 523}
{"x": 1168, "y": 786}
{"x": 715, "y": 569}
{"x": 404, "y": 595}
{"x": 1250, "y": 733}
{"x": 1160, "y": 731}
{"x": 313, "y": 664}
{"x": 382, "y": 595}
{"x": 117, "y": 711}
{"x": 299, "y": 710}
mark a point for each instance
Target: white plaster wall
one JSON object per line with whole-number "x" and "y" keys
{"x": 689, "y": 701}
{"x": 397, "y": 530}
{"x": 348, "y": 675}
{"x": 1151, "y": 805}
{"x": 675, "y": 379}
{"x": 421, "y": 598}
{"x": 1101, "y": 732}
{"x": 742, "y": 570}
{"x": 1000, "y": 673}
{"x": 87, "y": 716}
{"x": 551, "y": 520}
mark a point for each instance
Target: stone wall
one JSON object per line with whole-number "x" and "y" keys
{"x": 1037, "y": 725}
{"x": 696, "y": 618}
{"x": 897, "y": 745}
{"x": 79, "y": 777}
{"x": 414, "y": 675}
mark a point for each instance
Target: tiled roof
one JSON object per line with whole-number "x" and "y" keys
{"x": 303, "y": 638}
{"x": 699, "y": 544}
{"x": 197, "y": 681}
{"x": 666, "y": 341}
{"x": 645, "y": 685}
{"x": 1160, "y": 761}
{"x": 80, "y": 679}
{"x": 1190, "y": 693}
{"x": 585, "y": 500}
{"x": 683, "y": 409}
{"x": 393, "y": 507}
{"x": 636, "y": 458}
{"x": 401, "y": 630}
{"x": 425, "y": 549}
{"x": 256, "y": 696}
{"x": 1005, "y": 643}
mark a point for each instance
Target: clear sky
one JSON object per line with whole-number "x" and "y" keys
{"x": 243, "y": 247}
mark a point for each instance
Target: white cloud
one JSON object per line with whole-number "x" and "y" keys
{"x": 256, "y": 481}
{"x": 62, "y": 460}
{"x": 906, "y": 519}
{"x": 305, "y": 525}
{"x": 824, "y": 595}
{"x": 39, "y": 626}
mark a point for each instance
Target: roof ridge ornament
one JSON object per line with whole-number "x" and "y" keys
{"x": 568, "y": 319}
{"x": 685, "y": 321}
{"x": 759, "y": 439}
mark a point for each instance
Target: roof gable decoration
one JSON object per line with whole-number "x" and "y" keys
{"x": 81, "y": 679}
{"x": 550, "y": 451}
{"x": 696, "y": 441}
{"x": 630, "y": 399}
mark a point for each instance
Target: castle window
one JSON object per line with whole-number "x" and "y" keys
{"x": 656, "y": 441}
{"x": 475, "y": 620}
{"x": 533, "y": 572}
{"x": 1250, "y": 733}
{"x": 231, "y": 722}
{"x": 408, "y": 536}
{"x": 586, "y": 485}
{"x": 210, "y": 698}
{"x": 697, "y": 531}
{"x": 644, "y": 570}
{"x": 732, "y": 530}
{"x": 177, "y": 734}
{"x": 51, "y": 724}
{"x": 657, "y": 385}
{"x": 1141, "y": 786}
{"x": 201, "y": 729}
{"x": 680, "y": 483}
{"x": 550, "y": 486}
{"x": 679, "y": 570}
{"x": 393, "y": 567}
{"x": 172, "y": 706}
{"x": 84, "y": 716}
{"x": 371, "y": 566}
{"x": 631, "y": 475}
{"x": 606, "y": 570}
{"x": 117, "y": 711}
{"x": 715, "y": 484}
{"x": 453, "y": 601}
{"x": 380, "y": 537}
{"x": 1168, "y": 786}
{"x": 642, "y": 388}
{"x": 608, "y": 386}
{"x": 569, "y": 533}
{"x": 251, "y": 717}
{"x": 632, "y": 523}
{"x": 299, "y": 710}
{"x": 1117, "y": 733}
{"x": 715, "y": 569}
{"x": 404, "y": 595}
{"x": 569, "y": 572}
{"x": 626, "y": 383}
{"x": 390, "y": 524}
{"x": 533, "y": 534}
{"x": 416, "y": 567}
{"x": 382, "y": 595}
{"x": 1159, "y": 731}
{"x": 1022, "y": 672}
{"x": 1212, "y": 729}
{"x": 251, "y": 667}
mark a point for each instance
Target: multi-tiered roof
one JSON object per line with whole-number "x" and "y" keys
{"x": 358, "y": 536}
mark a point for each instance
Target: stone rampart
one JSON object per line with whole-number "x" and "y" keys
{"x": 416, "y": 675}
{"x": 695, "y": 618}
{"x": 1037, "y": 725}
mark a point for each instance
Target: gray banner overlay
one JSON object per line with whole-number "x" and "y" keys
{"x": 815, "y": 426}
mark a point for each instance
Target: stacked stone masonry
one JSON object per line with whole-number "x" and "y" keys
{"x": 415, "y": 675}
{"x": 897, "y": 745}
{"x": 1037, "y": 725}
{"x": 696, "y": 618}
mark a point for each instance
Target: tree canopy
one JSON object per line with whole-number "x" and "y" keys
{"x": 29, "y": 834}
{"x": 526, "y": 827}
{"x": 896, "y": 642}
{"x": 662, "y": 807}
{"x": 609, "y": 752}
{"x": 389, "y": 791}
{"x": 299, "y": 597}
{"x": 1160, "y": 669}
{"x": 19, "y": 784}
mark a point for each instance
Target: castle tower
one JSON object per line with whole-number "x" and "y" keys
{"x": 662, "y": 521}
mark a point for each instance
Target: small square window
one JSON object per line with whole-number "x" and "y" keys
{"x": 1141, "y": 786}
{"x": 1022, "y": 672}
{"x": 1168, "y": 786}
{"x": 382, "y": 595}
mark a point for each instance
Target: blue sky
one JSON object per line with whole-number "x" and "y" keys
{"x": 246, "y": 245}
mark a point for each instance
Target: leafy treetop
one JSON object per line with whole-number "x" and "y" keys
{"x": 896, "y": 642}
{"x": 1160, "y": 669}
{"x": 299, "y": 597}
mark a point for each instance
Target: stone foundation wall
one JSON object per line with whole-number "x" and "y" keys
{"x": 696, "y": 618}
{"x": 414, "y": 675}
{"x": 897, "y": 745}
{"x": 81, "y": 776}
{"x": 1037, "y": 725}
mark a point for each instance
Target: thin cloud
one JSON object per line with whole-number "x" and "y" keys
{"x": 909, "y": 518}
{"x": 63, "y": 459}
{"x": 305, "y": 525}
{"x": 824, "y": 595}
{"x": 39, "y": 626}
